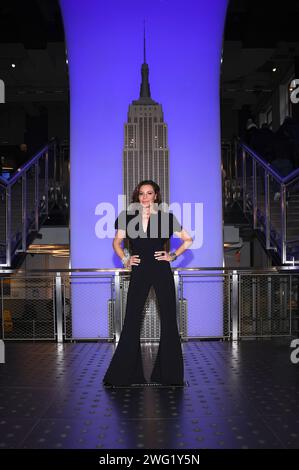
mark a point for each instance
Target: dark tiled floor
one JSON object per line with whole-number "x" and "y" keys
{"x": 243, "y": 396}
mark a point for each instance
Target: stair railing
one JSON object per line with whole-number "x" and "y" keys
{"x": 26, "y": 199}
{"x": 272, "y": 200}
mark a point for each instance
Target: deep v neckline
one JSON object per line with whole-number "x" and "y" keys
{"x": 148, "y": 222}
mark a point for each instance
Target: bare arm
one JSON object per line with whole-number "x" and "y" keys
{"x": 187, "y": 242}
{"x": 117, "y": 241}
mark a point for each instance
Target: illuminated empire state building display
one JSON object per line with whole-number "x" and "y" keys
{"x": 145, "y": 153}
{"x": 145, "y": 156}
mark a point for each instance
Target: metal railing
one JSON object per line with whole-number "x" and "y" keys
{"x": 40, "y": 305}
{"x": 271, "y": 200}
{"x": 27, "y": 197}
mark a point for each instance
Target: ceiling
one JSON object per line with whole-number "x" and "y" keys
{"x": 32, "y": 38}
{"x": 32, "y": 23}
{"x": 256, "y": 23}
{"x": 259, "y": 35}
{"x": 262, "y": 23}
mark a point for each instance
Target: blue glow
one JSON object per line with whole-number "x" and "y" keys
{"x": 105, "y": 52}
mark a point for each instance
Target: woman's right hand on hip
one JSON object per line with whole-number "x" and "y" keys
{"x": 134, "y": 260}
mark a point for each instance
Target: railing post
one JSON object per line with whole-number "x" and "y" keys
{"x": 235, "y": 306}
{"x": 24, "y": 211}
{"x": 117, "y": 311}
{"x": 283, "y": 224}
{"x": 58, "y": 303}
{"x": 8, "y": 226}
{"x": 267, "y": 210}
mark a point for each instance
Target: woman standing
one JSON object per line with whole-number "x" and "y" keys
{"x": 149, "y": 262}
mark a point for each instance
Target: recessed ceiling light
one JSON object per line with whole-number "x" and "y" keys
{"x": 13, "y": 65}
{"x": 274, "y": 69}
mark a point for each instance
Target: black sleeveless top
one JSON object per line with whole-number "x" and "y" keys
{"x": 160, "y": 228}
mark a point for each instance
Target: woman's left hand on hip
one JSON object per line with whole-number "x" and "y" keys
{"x": 162, "y": 256}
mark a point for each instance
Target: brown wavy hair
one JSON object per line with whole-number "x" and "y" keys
{"x": 155, "y": 186}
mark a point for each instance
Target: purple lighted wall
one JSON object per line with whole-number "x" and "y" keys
{"x": 105, "y": 51}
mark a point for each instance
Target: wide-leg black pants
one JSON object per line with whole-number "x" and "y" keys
{"x": 126, "y": 364}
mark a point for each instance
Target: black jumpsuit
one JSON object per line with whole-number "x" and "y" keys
{"x": 126, "y": 365}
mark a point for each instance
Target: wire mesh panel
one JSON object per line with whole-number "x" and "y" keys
{"x": 82, "y": 297}
{"x": 231, "y": 305}
{"x": 207, "y": 304}
{"x": 265, "y": 305}
{"x": 28, "y": 308}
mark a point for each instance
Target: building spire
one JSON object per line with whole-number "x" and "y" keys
{"x": 144, "y": 46}
{"x": 145, "y": 91}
